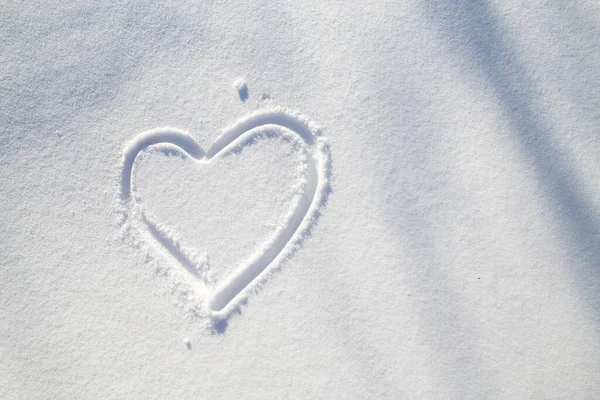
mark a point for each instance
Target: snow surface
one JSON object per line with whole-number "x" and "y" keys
{"x": 241, "y": 86}
{"x": 399, "y": 200}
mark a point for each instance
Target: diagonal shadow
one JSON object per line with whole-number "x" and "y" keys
{"x": 483, "y": 40}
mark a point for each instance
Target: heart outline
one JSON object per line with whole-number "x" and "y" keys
{"x": 224, "y": 299}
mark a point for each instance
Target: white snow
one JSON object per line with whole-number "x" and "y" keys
{"x": 241, "y": 87}
{"x": 405, "y": 203}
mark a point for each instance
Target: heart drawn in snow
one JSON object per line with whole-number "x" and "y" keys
{"x": 220, "y": 301}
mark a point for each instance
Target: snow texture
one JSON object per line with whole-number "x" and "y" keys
{"x": 241, "y": 87}
{"x": 397, "y": 200}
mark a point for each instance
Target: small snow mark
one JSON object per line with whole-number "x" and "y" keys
{"x": 265, "y": 99}
{"x": 241, "y": 86}
{"x": 188, "y": 343}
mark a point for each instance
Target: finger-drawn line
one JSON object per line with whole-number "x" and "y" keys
{"x": 222, "y": 299}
